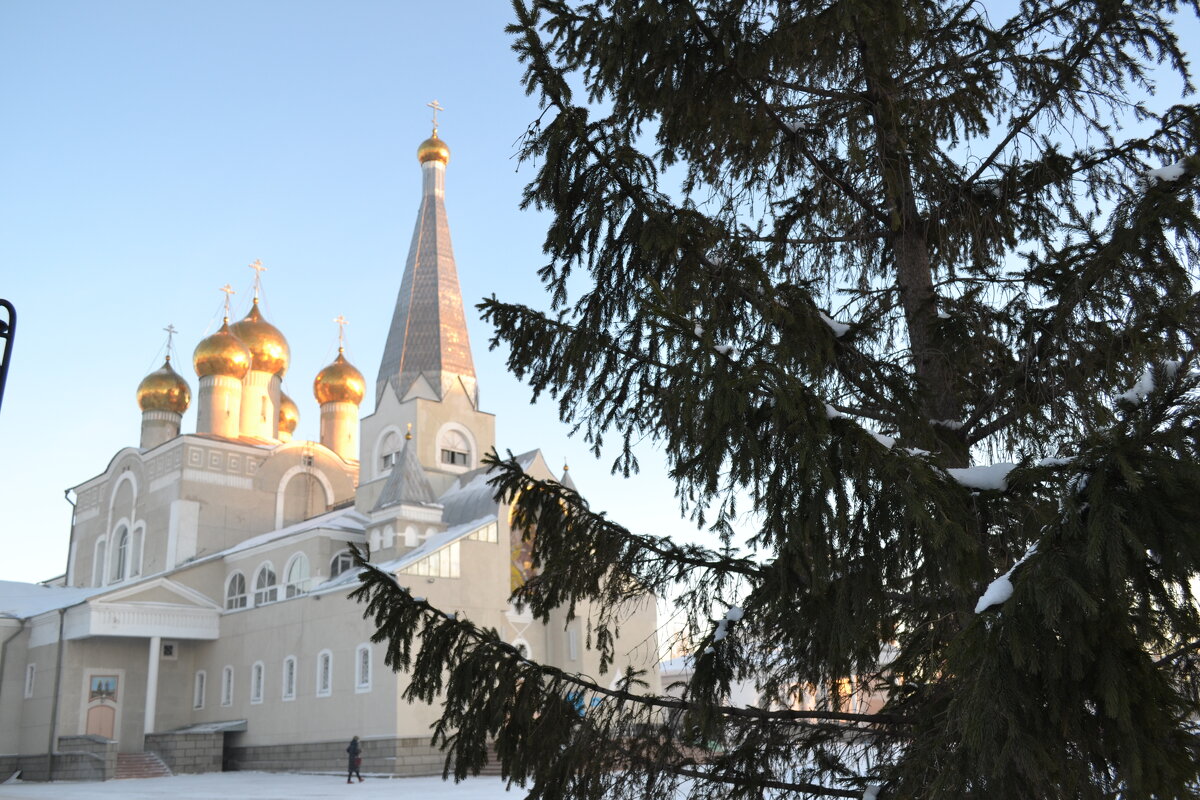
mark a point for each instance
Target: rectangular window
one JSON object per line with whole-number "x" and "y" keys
{"x": 488, "y": 533}
{"x": 324, "y": 674}
{"x": 573, "y": 644}
{"x": 454, "y": 457}
{"x": 362, "y": 681}
{"x": 198, "y": 691}
{"x": 30, "y": 671}
{"x": 442, "y": 563}
{"x": 227, "y": 686}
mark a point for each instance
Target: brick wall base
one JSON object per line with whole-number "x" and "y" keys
{"x": 387, "y": 756}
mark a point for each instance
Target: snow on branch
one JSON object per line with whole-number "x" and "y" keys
{"x": 984, "y": 476}
{"x": 1168, "y": 174}
{"x": 839, "y": 328}
{"x": 1001, "y": 589}
{"x": 1145, "y": 385}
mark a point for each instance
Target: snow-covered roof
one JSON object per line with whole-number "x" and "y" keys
{"x": 342, "y": 519}
{"x": 24, "y": 600}
{"x": 426, "y": 548}
{"x": 470, "y": 497}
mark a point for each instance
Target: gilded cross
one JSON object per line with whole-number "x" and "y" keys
{"x": 229, "y": 293}
{"x": 341, "y": 323}
{"x": 436, "y": 106}
{"x": 259, "y": 269}
{"x": 170, "y": 329}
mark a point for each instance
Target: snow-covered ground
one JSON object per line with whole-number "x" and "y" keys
{"x": 265, "y": 786}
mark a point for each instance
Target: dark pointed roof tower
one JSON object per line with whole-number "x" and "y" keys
{"x": 428, "y": 335}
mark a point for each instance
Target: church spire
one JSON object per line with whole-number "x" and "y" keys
{"x": 428, "y": 335}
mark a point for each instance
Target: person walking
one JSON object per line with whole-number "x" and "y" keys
{"x": 355, "y": 753}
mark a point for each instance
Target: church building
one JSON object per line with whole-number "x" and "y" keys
{"x": 203, "y": 622}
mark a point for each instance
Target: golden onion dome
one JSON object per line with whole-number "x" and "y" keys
{"x": 268, "y": 349}
{"x": 289, "y": 414}
{"x": 221, "y": 354}
{"x": 433, "y": 149}
{"x": 340, "y": 382}
{"x": 164, "y": 390}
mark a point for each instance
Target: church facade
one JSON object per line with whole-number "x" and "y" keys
{"x": 203, "y": 618}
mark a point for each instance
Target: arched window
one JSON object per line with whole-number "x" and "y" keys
{"x": 455, "y": 448}
{"x": 256, "y": 682}
{"x": 324, "y": 673}
{"x": 523, "y": 648}
{"x": 98, "y": 565}
{"x": 289, "y": 678}
{"x": 265, "y": 590}
{"x": 303, "y": 498}
{"x": 120, "y": 554}
{"x": 296, "y": 577}
{"x": 198, "y": 690}
{"x": 362, "y": 668}
{"x": 340, "y": 563}
{"x": 235, "y": 591}
{"x": 388, "y": 451}
{"x": 227, "y": 686}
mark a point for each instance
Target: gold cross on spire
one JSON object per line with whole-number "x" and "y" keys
{"x": 436, "y": 106}
{"x": 259, "y": 269}
{"x": 170, "y": 329}
{"x": 341, "y": 323}
{"x": 229, "y": 293}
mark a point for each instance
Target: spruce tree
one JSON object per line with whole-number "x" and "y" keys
{"x": 908, "y": 290}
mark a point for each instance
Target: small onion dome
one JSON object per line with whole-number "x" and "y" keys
{"x": 340, "y": 382}
{"x": 433, "y": 149}
{"x": 164, "y": 390}
{"x": 268, "y": 349}
{"x": 221, "y": 354}
{"x": 289, "y": 414}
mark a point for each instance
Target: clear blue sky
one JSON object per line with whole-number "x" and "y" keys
{"x": 149, "y": 151}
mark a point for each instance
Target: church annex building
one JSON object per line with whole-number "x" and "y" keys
{"x": 203, "y": 621}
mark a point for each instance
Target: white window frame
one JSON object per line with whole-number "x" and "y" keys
{"x": 362, "y": 668}
{"x": 137, "y": 544}
{"x": 258, "y": 680}
{"x": 100, "y": 561}
{"x": 199, "y": 686}
{"x": 269, "y": 593}
{"x": 325, "y": 673}
{"x": 464, "y": 433}
{"x": 298, "y": 587}
{"x": 119, "y": 559}
{"x": 333, "y": 562}
{"x": 245, "y": 596}
{"x": 227, "y": 685}
{"x": 289, "y": 681}
{"x": 30, "y": 677}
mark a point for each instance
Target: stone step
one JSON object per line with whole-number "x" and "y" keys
{"x": 140, "y": 765}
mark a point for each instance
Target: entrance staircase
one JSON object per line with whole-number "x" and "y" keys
{"x": 140, "y": 765}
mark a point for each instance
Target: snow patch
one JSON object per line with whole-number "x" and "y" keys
{"x": 728, "y": 350}
{"x": 1056, "y": 461}
{"x": 698, "y": 330}
{"x": 839, "y": 328}
{"x": 948, "y": 424}
{"x": 832, "y": 413}
{"x": 887, "y": 441}
{"x": 985, "y": 476}
{"x": 1001, "y": 589}
{"x": 734, "y": 614}
{"x": 1167, "y": 174}
{"x": 1139, "y": 391}
{"x": 871, "y": 792}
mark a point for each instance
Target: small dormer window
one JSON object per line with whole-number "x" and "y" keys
{"x": 456, "y": 450}
{"x": 390, "y": 451}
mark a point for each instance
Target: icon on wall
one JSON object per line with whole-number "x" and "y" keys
{"x": 103, "y": 687}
